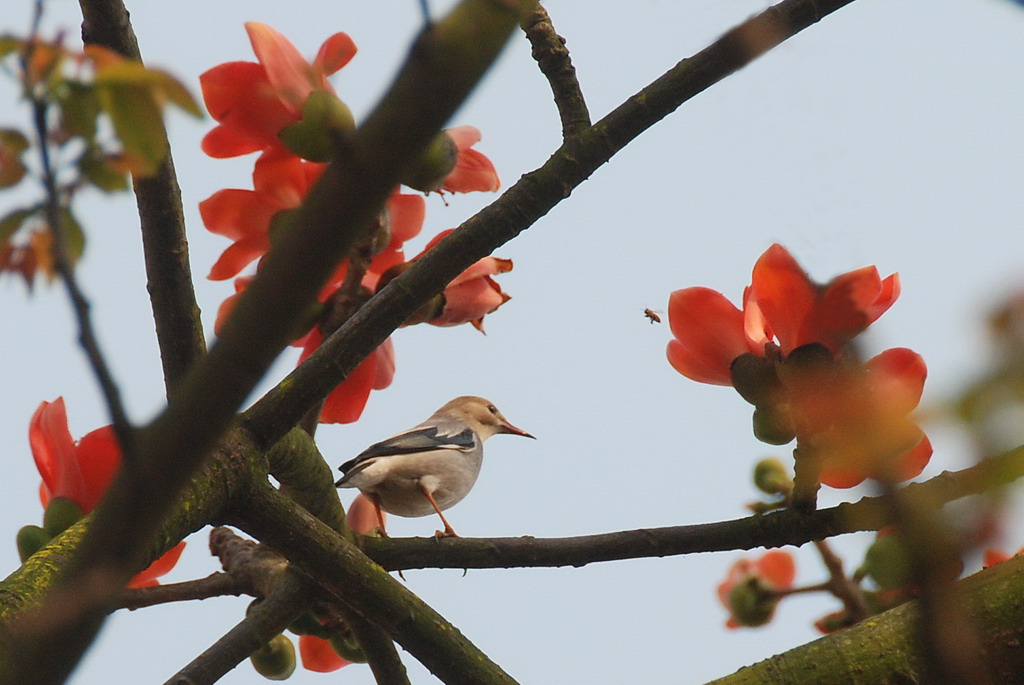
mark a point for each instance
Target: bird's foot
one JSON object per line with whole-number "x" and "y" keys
{"x": 446, "y": 533}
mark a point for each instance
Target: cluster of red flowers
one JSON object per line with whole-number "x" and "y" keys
{"x": 787, "y": 352}
{"x": 277, "y": 107}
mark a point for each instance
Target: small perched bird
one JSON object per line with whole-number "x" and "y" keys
{"x": 430, "y": 467}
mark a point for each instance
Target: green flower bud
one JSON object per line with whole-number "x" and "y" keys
{"x": 771, "y": 478}
{"x": 772, "y": 427}
{"x": 434, "y": 165}
{"x": 755, "y": 379}
{"x": 325, "y": 119}
{"x": 888, "y": 563}
{"x": 61, "y": 513}
{"x": 348, "y": 647}
{"x": 307, "y": 624}
{"x": 30, "y": 540}
{"x": 275, "y": 660}
{"x": 750, "y": 604}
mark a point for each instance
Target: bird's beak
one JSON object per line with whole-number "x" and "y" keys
{"x": 512, "y": 430}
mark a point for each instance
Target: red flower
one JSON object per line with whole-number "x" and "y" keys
{"x": 855, "y": 417}
{"x": 781, "y": 304}
{"x": 749, "y": 591}
{"x": 280, "y": 181}
{"x": 473, "y": 170}
{"x": 253, "y": 102}
{"x": 318, "y": 655}
{"x": 992, "y": 557}
{"x": 472, "y": 294}
{"x": 346, "y": 402}
{"x": 82, "y": 472}
{"x": 361, "y": 516}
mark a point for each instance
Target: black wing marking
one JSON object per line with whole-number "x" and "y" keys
{"x": 410, "y": 442}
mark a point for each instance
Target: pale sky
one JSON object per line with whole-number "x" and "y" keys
{"x": 888, "y": 134}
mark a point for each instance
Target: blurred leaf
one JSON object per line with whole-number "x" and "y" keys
{"x": 10, "y": 224}
{"x": 80, "y": 108}
{"x": 9, "y": 44}
{"x": 12, "y": 144}
{"x": 103, "y": 171}
{"x": 138, "y": 122}
{"x": 74, "y": 236}
{"x": 115, "y": 70}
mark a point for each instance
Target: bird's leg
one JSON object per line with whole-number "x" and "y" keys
{"x": 448, "y": 531}
{"x": 375, "y": 499}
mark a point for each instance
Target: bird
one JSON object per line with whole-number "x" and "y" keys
{"x": 431, "y": 466}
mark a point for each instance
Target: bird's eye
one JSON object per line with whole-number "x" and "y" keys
{"x": 491, "y": 408}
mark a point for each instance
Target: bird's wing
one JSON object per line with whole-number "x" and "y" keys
{"x": 416, "y": 440}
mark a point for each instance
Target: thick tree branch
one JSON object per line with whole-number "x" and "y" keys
{"x": 886, "y": 648}
{"x": 179, "y": 330}
{"x": 519, "y": 207}
{"x": 552, "y": 57}
{"x": 265, "y": 621}
{"x": 341, "y": 569}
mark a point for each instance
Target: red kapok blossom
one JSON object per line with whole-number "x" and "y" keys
{"x": 774, "y": 571}
{"x": 318, "y": 655}
{"x": 361, "y": 515}
{"x": 82, "y": 472}
{"x": 252, "y": 102}
{"x": 799, "y": 311}
{"x": 346, "y": 402}
{"x": 473, "y": 170}
{"x": 280, "y": 181}
{"x": 781, "y": 304}
{"x": 472, "y": 294}
{"x": 855, "y": 418}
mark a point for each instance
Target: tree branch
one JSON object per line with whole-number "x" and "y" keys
{"x": 179, "y": 330}
{"x": 886, "y": 649}
{"x": 769, "y": 530}
{"x": 341, "y": 569}
{"x": 552, "y": 57}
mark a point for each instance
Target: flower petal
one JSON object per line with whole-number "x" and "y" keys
{"x": 709, "y": 332}
{"x": 318, "y": 655}
{"x": 336, "y": 52}
{"x": 784, "y": 293}
{"x": 287, "y": 70}
{"x": 161, "y": 567}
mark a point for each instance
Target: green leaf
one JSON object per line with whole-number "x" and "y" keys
{"x": 160, "y": 83}
{"x": 137, "y": 119}
{"x": 12, "y": 144}
{"x": 102, "y": 171}
{"x": 10, "y": 224}
{"x": 74, "y": 236}
{"x": 80, "y": 107}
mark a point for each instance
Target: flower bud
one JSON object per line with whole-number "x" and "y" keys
{"x": 275, "y": 660}
{"x": 433, "y": 166}
{"x": 325, "y": 119}
{"x": 751, "y": 604}
{"x": 348, "y": 647}
{"x": 888, "y": 563}
{"x": 61, "y": 513}
{"x": 755, "y": 379}
{"x": 30, "y": 540}
{"x": 772, "y": 426}
{"x": 308, "y": 624}
{"x": 770, "y": 477}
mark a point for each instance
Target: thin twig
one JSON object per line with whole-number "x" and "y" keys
{"x": 61, "y": 257}
{"x": 552, "y": 57}
{"x": 840, "y": 585}
{"x": 214, "y": 585}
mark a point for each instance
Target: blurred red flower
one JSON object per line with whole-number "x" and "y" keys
{"x": 82, "y": 471}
